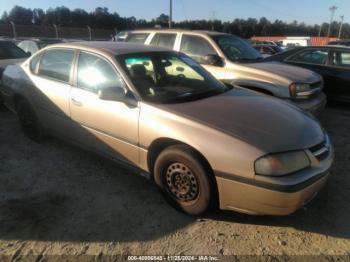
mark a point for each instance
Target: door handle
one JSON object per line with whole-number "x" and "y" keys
{"x": 76, "y": 102}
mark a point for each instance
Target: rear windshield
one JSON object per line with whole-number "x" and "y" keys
{"x": 9, "y": 50}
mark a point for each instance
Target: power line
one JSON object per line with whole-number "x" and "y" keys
{"x": 332, "y": 9}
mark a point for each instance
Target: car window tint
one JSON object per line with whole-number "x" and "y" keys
{"x": 164, "y": 40}
{"x": 57, "y": 63}
{"x": 313, "y": 57}
{"x": 139, "y": 38}
{"x": 341, "y": 59}
{"x": 196, "y": 47}
{"x": 95, "y": 73}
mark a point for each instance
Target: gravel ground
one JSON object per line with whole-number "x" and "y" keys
{"x": 56, "y": 199}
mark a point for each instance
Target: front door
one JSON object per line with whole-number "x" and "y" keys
{"x": 110, "y": 127}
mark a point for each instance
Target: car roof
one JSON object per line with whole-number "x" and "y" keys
{"x": 203, "y": 32}
{"x": 326, "y": 46}
{"x": 114, "y": 48}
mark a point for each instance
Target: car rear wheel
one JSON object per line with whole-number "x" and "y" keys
{"x": 181, "y": 176}
{"x": 29, "y": 121}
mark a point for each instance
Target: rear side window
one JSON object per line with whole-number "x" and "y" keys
{"x": 57, "y": 64}
{"x": 341, "y": 59}
{"x": 196, "y": 47}
{"x": 164, "y": 40}
{"x": 318, "y": 57}
{"x": 95, "y": 73}
{"x": 138, "y": 38}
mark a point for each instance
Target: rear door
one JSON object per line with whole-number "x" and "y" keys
{"x": 340, "y": 67}
{"x": 51, "y": 81}
{"x": 109, "y": 127}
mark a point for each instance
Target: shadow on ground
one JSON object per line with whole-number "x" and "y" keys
{"x": 56, "y": 192}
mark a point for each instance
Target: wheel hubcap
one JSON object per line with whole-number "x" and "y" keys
{"x": 181, "y": 182}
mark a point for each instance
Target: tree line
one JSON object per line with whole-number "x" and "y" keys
{"x": 101, "y": 18}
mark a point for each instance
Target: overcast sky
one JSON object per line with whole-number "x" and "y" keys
{"x": 309, "y": 11}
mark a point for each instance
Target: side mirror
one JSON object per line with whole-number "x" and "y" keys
{"x": 29, "y": 54}
{"x": 118, "y": 94}
{"x": 213, "y": 60}
{"x": 112, "y": 93}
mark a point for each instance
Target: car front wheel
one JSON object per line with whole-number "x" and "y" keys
{"x": 186, "y": 184}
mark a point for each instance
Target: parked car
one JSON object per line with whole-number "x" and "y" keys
{"x": 332, "y": 62}
{"x": 268, "y": 50}
{"x": 340, "y": 42}
{"x": 232, "y": 59}
{"x": 10, "y": 54}
{"x": 33, "y": 45}
{"x": 203, "y": 142}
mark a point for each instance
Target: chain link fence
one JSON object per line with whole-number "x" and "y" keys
{"x": 13, "y": 31}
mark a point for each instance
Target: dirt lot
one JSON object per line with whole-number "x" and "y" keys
{"x": 57, "y": 199}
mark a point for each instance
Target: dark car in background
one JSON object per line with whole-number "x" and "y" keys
{"x": 340, "y": 42}
{"x": 332, "y": 62}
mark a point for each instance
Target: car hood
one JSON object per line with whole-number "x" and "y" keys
{"x": 262, "y": 121}
{"x": 293, "y": 73}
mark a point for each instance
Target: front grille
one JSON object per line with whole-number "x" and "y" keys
{"x": 320, "y": 151}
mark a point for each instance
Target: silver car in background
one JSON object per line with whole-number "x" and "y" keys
{"x": 232, "y": 59}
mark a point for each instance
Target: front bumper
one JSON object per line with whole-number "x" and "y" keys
{"x": 274, "y": 195}
{"x": 315, "y": 105}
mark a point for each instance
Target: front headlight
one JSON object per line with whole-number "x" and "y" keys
{"x": 299, "y": 90}
{"x": 281, "y": 164}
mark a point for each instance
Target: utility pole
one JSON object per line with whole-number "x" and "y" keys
{"x": 341, "y": 26}
{"x": 171, "y": 14}
{"x": 332, "y": 9}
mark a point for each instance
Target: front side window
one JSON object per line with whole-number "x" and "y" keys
{"x": 95, "y": 73}
{"x": 137, "y": 38}
{"x": 166, "y": 77}
{"x": 196, "y": 47}
{"x": 164, "y": 40}
{"x": 57, "y": 64}
{"x": 236, "y": 49}
{"x": 341, "y": 59}
{"x": 318, "y": 57}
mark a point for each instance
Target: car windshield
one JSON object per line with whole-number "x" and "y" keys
{"x": 9, "y": 50}
{"x": 165, "y": 77}
{"x": 236, "y": 49}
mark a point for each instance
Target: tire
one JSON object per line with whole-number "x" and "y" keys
{"x": 29, "y": 121}
{"x": 183, "y": 179}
